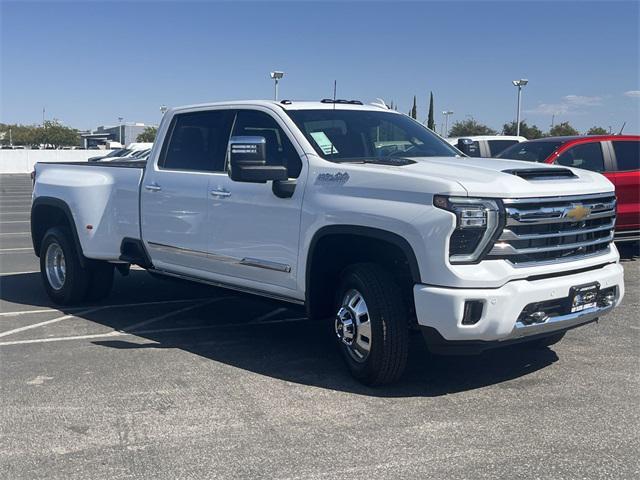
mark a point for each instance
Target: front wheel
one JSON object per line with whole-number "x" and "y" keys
{"x": 371, "y": 324}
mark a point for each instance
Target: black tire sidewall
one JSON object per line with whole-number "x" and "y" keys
{"x": 76, "y": 279}
{"x": 369, "y": 370}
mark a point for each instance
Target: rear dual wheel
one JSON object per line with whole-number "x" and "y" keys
{"x": 66, "y": 280}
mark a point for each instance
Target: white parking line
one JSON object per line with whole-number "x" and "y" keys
{"x": 116, "y": 305}
{"x": 6, "y": 274}
{"x": 142, "y": 332}
{"x": 13, "y": 213}
{"x": 48, "y": 322}
{"x": 269, "y": 315}
{"x": 17, "y": 249}
{"x": 15, "y": 233}
{"x": 16, "y": 221}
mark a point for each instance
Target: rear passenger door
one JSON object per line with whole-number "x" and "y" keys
{"x": 175, "y": 202}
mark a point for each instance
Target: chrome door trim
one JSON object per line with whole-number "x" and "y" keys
{"x": 256, "y": 262}
{"x": 178, "y": 250}
{"x": 249, "y": 262}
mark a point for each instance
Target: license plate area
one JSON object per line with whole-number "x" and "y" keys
{"x": 583, "y": 297}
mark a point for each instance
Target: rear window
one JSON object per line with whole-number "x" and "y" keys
{"x": 498, "y": 146}
{"x": 531, "y": 151}
{"x": 627, "y": 154}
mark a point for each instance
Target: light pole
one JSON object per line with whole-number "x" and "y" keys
{"x": 276, "y": 76}
{"x": 519, "y": 83}
{"x": 446, "y": 114}
{"x": 120, "y": 119}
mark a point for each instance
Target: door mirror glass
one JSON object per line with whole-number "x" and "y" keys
{"x": 248, "y": 161}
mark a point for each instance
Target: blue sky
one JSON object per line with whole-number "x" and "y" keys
{"x": 90, "y": 62}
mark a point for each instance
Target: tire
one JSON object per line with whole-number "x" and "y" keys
{"x": 381, "y": 359}
{"x": 546, "y": 341}
{"x": 65, "y": 280}
{"x": 100, "y": 280}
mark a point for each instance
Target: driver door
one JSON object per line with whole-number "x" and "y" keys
{"x": 256, "y": 234}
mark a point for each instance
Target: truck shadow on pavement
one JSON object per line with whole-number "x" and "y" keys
{"x": 263, "y": 336}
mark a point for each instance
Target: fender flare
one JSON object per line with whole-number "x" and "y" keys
{"x": 361, "y": 231}
{"x": 66, "y": 211}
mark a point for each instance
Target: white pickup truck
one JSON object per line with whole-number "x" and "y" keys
{"x": 358, "y": 212}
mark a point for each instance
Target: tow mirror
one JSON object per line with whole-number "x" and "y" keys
{"x": 248, "y": 161}
{"x": 468, "y": 147}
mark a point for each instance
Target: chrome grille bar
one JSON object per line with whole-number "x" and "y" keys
{"x": 511, "y": 235}
{"x": 542, "y": 230}
{"x": 506, "y": 249}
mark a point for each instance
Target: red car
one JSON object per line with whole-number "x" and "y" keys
{"x": 617, "y": 157}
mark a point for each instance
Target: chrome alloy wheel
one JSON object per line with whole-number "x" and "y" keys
{"x": 353, "y": 325}
{"x": 55, "y": 266}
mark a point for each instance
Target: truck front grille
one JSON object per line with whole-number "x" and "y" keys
{"x": 558, "y": 228}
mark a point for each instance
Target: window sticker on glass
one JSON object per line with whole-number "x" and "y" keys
{"x": 324, "y": 143}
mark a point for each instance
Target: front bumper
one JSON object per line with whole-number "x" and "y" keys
{"x": 441, "y": 309}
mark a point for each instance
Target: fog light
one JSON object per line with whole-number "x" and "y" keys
{"x": 472, "y": 312}
{"x": 535, "y": 318}
{"x": 607, "y": 298}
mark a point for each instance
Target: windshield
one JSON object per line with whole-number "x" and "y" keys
{"x": 359, "y": 135}
{"x": 531, "y": 151}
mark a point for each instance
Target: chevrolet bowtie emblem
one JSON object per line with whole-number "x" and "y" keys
{"x": 578, "y": 213}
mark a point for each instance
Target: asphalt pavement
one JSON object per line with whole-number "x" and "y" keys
{"x": 170, "y": 380}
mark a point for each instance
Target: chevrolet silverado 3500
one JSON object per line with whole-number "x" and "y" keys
{"x": 358, "y": 212}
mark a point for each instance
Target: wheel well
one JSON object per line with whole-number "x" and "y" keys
{"x": 332, "y": 253}
{"x": 45, "y": 216}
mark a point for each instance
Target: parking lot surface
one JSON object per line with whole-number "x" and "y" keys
{"x": 171, "y": 380}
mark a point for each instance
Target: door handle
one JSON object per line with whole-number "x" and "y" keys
{"x": 220, "y": 193}
{"x": 153, "y": 187}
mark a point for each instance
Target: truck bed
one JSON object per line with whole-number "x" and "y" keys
{"x": 102, "y": 197}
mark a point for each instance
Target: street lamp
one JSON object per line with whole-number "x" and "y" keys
{"x": 276, "y": 76}
{"x": 446, "y": 114}
{"x": 519, "y": 83}
{"x": 120, "y": 119}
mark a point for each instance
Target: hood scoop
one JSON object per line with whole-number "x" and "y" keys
{"x": 533, "y": 174}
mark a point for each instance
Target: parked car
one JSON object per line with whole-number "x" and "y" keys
{"x": 484, "y": 145}
{"x": 306, "y": 202}
{"x": 120, "y": 152}
{"x": 617, "y": 157}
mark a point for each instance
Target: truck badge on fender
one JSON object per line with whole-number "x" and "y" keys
{"x": 337, "y": 179}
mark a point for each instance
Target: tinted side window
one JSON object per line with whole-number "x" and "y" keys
{"x": 197, "y": 141}
{"x": 474, "y": 149}
{"x": 627, "y": 154}
{"x": 587, "y": 156}
{"x": 497, "y": 146}
{"x": 280, "y": 151}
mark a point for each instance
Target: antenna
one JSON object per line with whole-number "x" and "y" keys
{"x": 623, "y": 125}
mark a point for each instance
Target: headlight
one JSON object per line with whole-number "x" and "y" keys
{"x": 477, "y": 220}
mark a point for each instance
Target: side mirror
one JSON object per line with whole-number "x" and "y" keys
{"x": 466, "y": 146}
{"x": 248, "y": 161}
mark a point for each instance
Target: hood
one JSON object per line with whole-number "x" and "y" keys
{"x": 490, "y": 177}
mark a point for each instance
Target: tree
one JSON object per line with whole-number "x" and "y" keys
{"x": 563, "y": 129}
{"x": 57, "y": 135}
{"x": 528, "y": 132}
{"x": 430, "y": 121}
{"x": 469, "y": 128}
{"x": 414, "y": 110}
{"x": 597, "y": 131}
{"x": 148, "y": 135}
